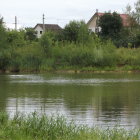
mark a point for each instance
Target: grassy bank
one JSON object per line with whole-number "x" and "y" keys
{"x": 35, "y": 127}
{"x": 48, "y": 54}
{"x": 67, "y": 57}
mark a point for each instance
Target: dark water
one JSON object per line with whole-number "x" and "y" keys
{"x": 92, "y": 99}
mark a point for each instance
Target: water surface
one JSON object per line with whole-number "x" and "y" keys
{"x": 93, "y": 99}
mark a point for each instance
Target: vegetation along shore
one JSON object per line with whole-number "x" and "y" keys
{"x": 75, "y": 48}
{"x": 42, "y": 127}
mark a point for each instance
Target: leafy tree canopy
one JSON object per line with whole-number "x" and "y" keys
{"x": 76, "y": 31}
{"x": 16, "y": 38}
{"x": 3, "y": 35}
{"x": 30, "y": 34}
{"x": 111, "y": 24}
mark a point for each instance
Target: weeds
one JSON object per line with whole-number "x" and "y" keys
{"x": 42, "y": 127}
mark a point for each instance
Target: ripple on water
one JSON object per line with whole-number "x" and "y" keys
{"x": 31, "y": 79}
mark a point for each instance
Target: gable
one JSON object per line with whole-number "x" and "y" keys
{"x": 92, "y": 23}
{"x": 38, "y": 28}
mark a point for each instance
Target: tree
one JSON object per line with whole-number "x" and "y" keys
{"x": 3, "y": 35}
{"x": 71, "y": 31}
{"x": 76, "y": 31}
{"x": 137, "y": 11}
{"x": 47, "y": 41}
{"x": 83, "y": 33}
{"x": 16, "y": 38}
{"x": 128, "y": 9}
{"x": 111, "y": 24}
{"x": 133, "y": 34}
{"x": 131, "y": 17}
{"x": 1, "y": 20}
{"x": 30, "y": 34}
{"x": 4, "y": 57}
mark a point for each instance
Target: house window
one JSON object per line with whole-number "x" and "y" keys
{"x": 41, "y": 32}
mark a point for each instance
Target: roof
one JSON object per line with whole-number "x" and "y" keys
{"x": 125, "y": 19}
{"x": 52, "y": 27}
{"x": 123, "y": 16}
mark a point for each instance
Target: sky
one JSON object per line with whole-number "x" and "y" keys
{"x": 29, "y": 12}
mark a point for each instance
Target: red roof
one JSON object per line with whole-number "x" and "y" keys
{"x": 101, "y": 14}
{"x": 123, "y": 16}
{"x": 125, "y": 19}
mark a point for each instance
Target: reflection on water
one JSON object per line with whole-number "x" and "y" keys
{"x": 93, "y": 99}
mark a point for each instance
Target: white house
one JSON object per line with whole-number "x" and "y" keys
{"x": 48, "y": 27}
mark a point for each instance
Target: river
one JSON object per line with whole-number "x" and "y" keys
{"x": 103, "y": 100}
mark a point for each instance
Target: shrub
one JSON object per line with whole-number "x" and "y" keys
{"x": 47, "y": 41}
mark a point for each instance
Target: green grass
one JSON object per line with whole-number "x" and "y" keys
{"x": 41, "y": 127}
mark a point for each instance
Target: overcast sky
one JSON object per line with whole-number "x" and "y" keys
{"x": 29, "y": 12}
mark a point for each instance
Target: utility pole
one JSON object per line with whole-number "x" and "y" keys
{"x": 15, "y": 23}
{"x": 43, "y": 23}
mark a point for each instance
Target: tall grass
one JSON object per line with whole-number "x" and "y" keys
{"x": 128, "y": 56}
{"x": 94, "y": 55}
{"x": 42, "y": 127}
{"x": 27, "y": 58}
{"x": 81, "y": 55}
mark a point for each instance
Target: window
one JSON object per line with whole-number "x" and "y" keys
{"x": 41, "y": 32}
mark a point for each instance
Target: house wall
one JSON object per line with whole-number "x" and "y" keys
{"x": 39, "y": 31}
{"x": 92, "y": 25}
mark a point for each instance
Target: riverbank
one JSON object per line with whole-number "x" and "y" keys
{"x": 41, "y": 127}
{"x": 70, "y": 58}
{"x": 76, "y": 70}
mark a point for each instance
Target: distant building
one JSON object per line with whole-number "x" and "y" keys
{"x": 93, "y": 22}
{"x": 48, "y": 27}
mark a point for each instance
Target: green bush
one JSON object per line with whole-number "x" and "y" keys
{"x": 47, "y": 41}
{"x": 27, "y": 58}
{"x": 128, "y": 56}
{"x": 16, "y": 38}
{"x": 76, "y": 31}
{"x": 100, "y": 54}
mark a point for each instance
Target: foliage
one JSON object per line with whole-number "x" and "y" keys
{"x": 136, "y": 13}
{"x": 131, "y": 17}
{"x": 76, "y": 31}
{"x": 27, "y": 58}
{"x": 128, "y": 57}
{"x": 16, "y": 38}
{"x": 4, "y": 58}
{"x": 100, "y": 55}
{"x": 71, "y": 31}
{"x": 111, "y": 24}
{"x": 74, "y": 48}
{"x": 30, "y": 34}
{"x": 3, "y": 35}
{"x": 134, "y": 28}
{"x": 47, "y": 41}
{"x": 41, "y": 127}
